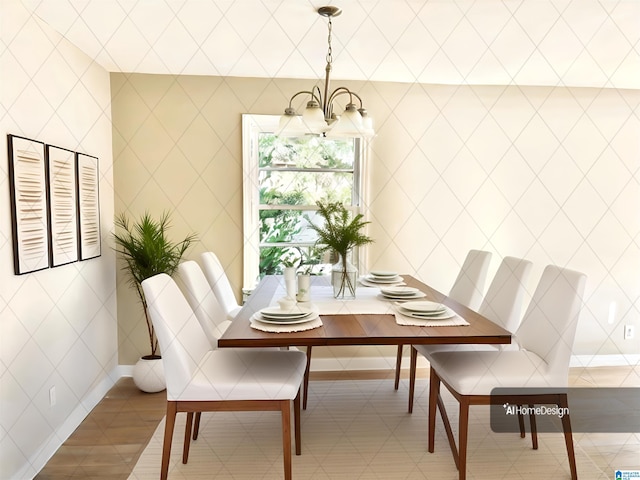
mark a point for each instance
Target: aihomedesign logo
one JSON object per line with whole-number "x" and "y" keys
{"x": 538, "y": 411}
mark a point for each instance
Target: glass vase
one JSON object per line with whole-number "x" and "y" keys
{"x": 344, "y": 276}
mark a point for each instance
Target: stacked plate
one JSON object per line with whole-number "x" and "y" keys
{"x": 278, "y": 316}
{"x": 425, "y": 310}
{"x": 401, "y": 293}
{"x": 377, "y": 278}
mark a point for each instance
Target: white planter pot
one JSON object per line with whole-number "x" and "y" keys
{"x": 148, "y": 374}
{"x": 304, "y": 288}
{"x": 290, "y": 282}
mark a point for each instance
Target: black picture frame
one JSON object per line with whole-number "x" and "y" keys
{"x": 88, "y": 192}
{"x": 29, "y": 204}
{"x": 63, "y": 205}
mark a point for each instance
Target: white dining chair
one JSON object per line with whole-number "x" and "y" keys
{"x": 502, "y": 304}
{"x": 545, "y": 337}
{"x": 467, "y": 290}
{"x": 207, "y": 309}
{"x": 219, "y": 282}
{"x": 203, "y": 302}
{"x": 217, "y": 278}
{"x": 200, "y": 378}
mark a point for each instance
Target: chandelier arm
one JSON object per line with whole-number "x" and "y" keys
{"x": 319, "y": 97}
{"x": 357, "y": 96}
{"x": 313, "y": 95}
{"x": 342, "y": 91}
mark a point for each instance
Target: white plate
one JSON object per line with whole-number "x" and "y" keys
{"x": 296, "y": 311}
{"x": 383, "y": 281}
{"x": 283, "y": 321}
{"x": 423, "y": 307}
{"x": 369, "y": 283}
{"x": 383, "y": 273}
{"x": 441, "y": 316}
{"x": 415, "y": 296}
{"x": 399, "y": 291}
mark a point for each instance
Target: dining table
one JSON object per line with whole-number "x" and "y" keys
{"x": 368, "y": 319}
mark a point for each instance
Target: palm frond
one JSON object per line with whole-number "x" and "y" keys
{"x": 147, "y": 251}
{"x": 340, "y": 232}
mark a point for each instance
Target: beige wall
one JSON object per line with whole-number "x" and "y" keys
{"x": 543, "y": 173}
{"x": 57, "y": 326}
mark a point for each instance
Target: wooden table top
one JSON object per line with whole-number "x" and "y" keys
{"x": 361, "y": 329}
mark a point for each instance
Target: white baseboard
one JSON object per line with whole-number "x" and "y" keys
{"x": 125, "y": 370}
{"x": 39, "y": 459}
{"x": 620, "y": 360}
{"x": 337, "y": 364}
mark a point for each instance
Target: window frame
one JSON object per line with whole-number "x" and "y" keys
{"x": 252, "y": 126}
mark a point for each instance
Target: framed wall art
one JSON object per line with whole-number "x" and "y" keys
{"x": 88, "y": 206}
{"x": 63, "y": 210}
{"x": 28, "y": 189}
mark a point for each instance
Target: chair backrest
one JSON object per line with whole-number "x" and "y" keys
{"x": 469, "y": 285}
{"x": 182, "y": 342}
{"x": 502, "y": 304}
{"x": 203, "y": 301}
{"x": 548, "y": 327}
{"x": 219, "y": 282}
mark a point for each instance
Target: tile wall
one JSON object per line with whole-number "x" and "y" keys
{"x": 58, "y": 326}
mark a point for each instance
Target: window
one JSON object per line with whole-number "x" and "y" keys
{"x": 283, "y": 180}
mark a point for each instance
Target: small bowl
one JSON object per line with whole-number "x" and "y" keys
{"x": 286, "y": 303}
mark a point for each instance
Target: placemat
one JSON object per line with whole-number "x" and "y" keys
{"x": 456, "y": 321}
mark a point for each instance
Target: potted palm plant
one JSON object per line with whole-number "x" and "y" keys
{"x": 147, "y": 251}
{"x": 341, "y": 232}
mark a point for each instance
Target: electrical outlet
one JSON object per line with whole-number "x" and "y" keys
{"x": 629, "y": 331}
{"x": 52, "y": 396}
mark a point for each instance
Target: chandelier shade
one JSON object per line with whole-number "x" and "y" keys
{"x": 319, "y": 117}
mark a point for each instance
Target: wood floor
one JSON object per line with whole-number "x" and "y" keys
{"x": 110, "y": 440}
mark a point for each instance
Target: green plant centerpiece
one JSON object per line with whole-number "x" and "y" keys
{"x": 341, "y": 232}
{"x": 147, "y": 251}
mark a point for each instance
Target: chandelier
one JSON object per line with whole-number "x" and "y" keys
{"x": 319, "y": 117}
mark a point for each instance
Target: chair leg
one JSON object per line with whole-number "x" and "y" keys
{"x": 449, "y": 431}
{"x": 187, "y": 438}
{"x": 296, "y": 421}
{"x": 196, "y": 426}
{"x": 170, "y": 421}
{"x": 521, "y": 424}
{"x": 568, "y": 437}
{"x": 534, "y": 428}
{"x": 412, "y": 377}
{"x": 434, "y": 391}
{"x": 305, "y": 383}
{"x": 398, "y": 366}
{"x": 463, "y": 428}
{"x": 285, "y": 411}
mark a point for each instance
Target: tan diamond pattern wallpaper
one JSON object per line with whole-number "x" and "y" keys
{"x": 489, "y": 135}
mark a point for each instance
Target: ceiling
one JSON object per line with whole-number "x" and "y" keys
{"x": 527, "y": 42}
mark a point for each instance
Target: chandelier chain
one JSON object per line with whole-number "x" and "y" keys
{"x": 329, "y": 51}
